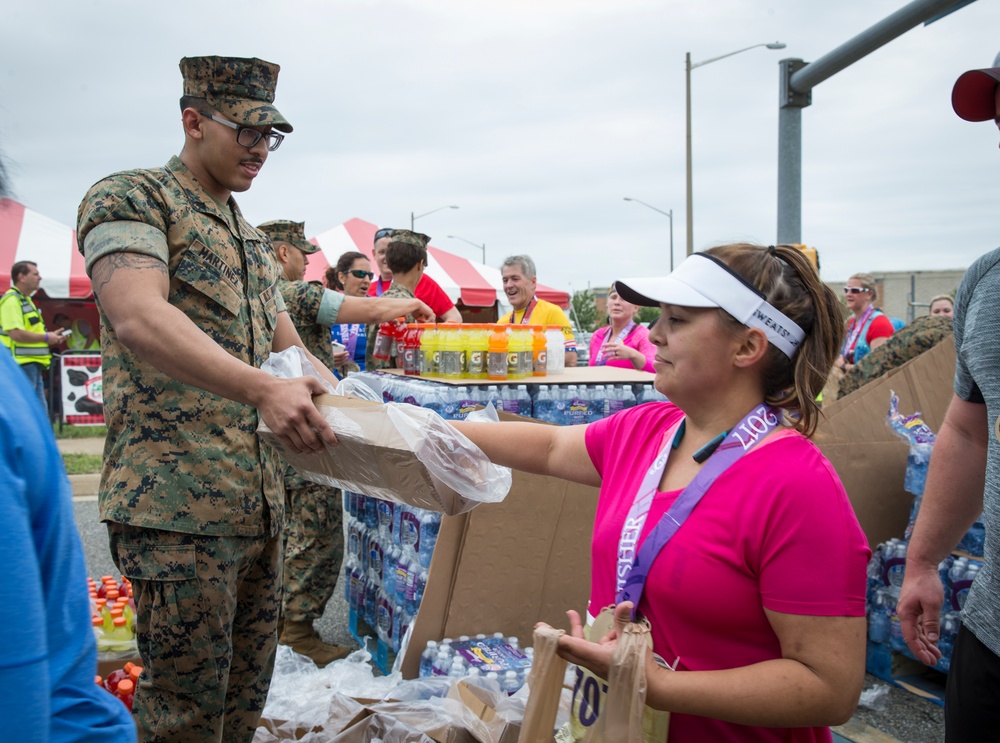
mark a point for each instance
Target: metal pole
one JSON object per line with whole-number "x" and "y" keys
{"x": 412, "y": 220}
{"x": 671, "y": 241}
{"x": 687, "y": 98}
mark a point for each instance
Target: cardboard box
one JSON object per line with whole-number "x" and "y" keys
{"x": 375, "y": 458}
{"x": 503, "y": 567}
{"x": 869, "y": 457}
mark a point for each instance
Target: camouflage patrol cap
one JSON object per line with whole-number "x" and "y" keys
{"x": 409, "y": 238}
{"x": 289, "y": 232}
{"x": 241, "y": 89}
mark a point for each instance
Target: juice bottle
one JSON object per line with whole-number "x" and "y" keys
{"x": 428, "y": 349}
{"x": 411, "y": 349}
{"x": 477, "y": 349}
{"x": 525, "y": 350}
{"x": 451, "y": 351}
{"x": 514, "y": 342}
{"x": 538, "y": 350}
{"x": 496, "y": 359}
{"x": 385, "y": 341}
{"x": 126, "y": 692}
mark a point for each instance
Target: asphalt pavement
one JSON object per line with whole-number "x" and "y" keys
{"x": 899, "y": 716}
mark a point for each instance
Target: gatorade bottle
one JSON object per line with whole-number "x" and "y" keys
{"x": 477, "y": 345}
{"x": 411, "y": 349}
{"x": 515, "y": 345}
{"x": 496, "y": 360}
{"x": 451, "y": 351}
{"x": 428, "y": 350}
{"x": 385, "y": 341}
{"x": 538, "y": 351}
{"x": 555, "y": 349}
{"x": 524, "y": 344}
{"x": 126, "y": 692}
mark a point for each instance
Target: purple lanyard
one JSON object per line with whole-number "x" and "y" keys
{"x": 378, "y": 286}
{"x": 635, "y": 561}
{"x": 622, "y": 337}
{"x": 352, "y": 339}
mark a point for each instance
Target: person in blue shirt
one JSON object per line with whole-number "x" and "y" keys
{"x": 352, "y": 275}
{"x": 49, "y": 653}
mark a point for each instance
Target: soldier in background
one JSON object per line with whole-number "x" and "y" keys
{"x": 189, "y": 307}
{"x": 314, "y": 515}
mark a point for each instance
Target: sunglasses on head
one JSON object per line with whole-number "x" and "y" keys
{"x": 359, "y": 274}
{"x": 384, "y": 232}
{"x": 854, "y": 289}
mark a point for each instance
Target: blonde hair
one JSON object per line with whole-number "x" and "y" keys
{"x": 789, "y": 282}
{"x": 868, "y": 282}
{"x": 938, "y": 298}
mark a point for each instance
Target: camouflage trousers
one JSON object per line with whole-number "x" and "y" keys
{"x": 206, "y": 615}
{"x": 314, "y": 547}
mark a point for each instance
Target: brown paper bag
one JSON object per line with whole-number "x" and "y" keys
{"x": 545, "y": 686}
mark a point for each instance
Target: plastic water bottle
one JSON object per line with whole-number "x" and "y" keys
{"x": 430, "y": 525}
{"x": 542, "y": 408}
{"x": 442, "y": 664}
{"x": 419, "y": 584}
{"x": 962, "y": 587}
{"x": 403, "y": 568}
{"x": 956, "y": 577}
{"x": 371, "y": 513}
{"x": 412, "y": 587}
{"x": 510, "y": 683}
{"x": 878, "y": 620}
{"x": 555, "y": 350}
{"x": 409, "y": 529}
{"x": 946, "y": 642}
{"x": 384, "y": 513}
{"x": 577, "y": 405}
{"x": 597, "y": 401}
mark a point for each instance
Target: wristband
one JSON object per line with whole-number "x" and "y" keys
{"x": 46, "y": 337}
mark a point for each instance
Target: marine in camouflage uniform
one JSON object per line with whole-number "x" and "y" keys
{"x": 406, "y": 257}
{"x": 192, "y": 498}
{"x": 906, "y": 343}
{"x": 314, "y": 536}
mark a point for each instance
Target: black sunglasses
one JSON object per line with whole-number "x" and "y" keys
{"x": 359, "y": 274}
{"x": 384, "y": 232}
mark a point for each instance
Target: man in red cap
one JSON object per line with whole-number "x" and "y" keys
{"x": 963, "y": 481}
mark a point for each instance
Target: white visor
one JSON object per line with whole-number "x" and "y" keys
{"x": 705, "y": 281}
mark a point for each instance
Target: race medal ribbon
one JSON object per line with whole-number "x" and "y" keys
{"x": 634, "y": 562}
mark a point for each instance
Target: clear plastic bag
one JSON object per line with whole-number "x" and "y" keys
{"x": 394, "y": 451}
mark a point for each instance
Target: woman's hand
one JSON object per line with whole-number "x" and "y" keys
{"x": 614, "y": 350}
{"x": 594, "y": 656}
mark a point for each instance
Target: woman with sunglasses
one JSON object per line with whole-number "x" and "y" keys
{"x": 352, "y": 276}
{"x": 718, "y": 520}
{"x": 868, "y": 328}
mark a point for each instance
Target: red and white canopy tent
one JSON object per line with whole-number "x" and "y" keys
{"x": 27, "y": 235}
{"x": 465, "y": 282}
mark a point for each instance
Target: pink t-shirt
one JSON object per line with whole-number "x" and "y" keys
{"x": 774, "y": 531}
{"x": 637, "y": 339}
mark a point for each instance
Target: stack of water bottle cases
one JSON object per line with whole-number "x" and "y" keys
{"x": 885, "y": 579}
{"x": 390, "y": 545}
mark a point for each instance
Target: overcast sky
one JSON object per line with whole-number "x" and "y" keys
{"x": 535, "y": 118}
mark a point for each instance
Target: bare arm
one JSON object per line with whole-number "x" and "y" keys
{"x": 953, "y": 499}
{"x": 878, "y": 342}
{"x": 452, "y": 315}
{"x": 558, "y": 451}
{"x": 133, "y": 290}
{"x": 816, "y": 682}
{"x": 570, "y": 358}
{"x": 367, "y": 310}
{"x": 52, "y": 338}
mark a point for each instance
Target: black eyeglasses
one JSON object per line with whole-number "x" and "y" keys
{"x": 854, "y": 289}
{"x": 384, "y": 232}
{"x": 247, "y": 137}
{"x": 359, "y": 274}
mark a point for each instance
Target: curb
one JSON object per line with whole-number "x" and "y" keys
{"x": 85, "y": 486}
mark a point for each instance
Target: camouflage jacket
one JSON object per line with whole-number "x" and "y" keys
{"x": 179, "y": 458}
{"x": 400, "y": 292}
{"x": 302, "y": 300}
{"x": 906, "y": 343}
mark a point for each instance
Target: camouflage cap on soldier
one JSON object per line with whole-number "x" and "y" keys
{"x": 241, "y": 89}
{"x": 287, "y": 231}
{"x": 409, "y": 237}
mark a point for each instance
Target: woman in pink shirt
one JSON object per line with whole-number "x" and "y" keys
{"x": 757, "y": 599}
{"x": 622, "y": 342}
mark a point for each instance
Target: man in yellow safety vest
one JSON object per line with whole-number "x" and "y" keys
{"x": 22, "y": 329}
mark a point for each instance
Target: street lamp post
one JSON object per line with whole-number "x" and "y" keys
{"x": 415, "y": 217}
{"x": 687, "y": 88}
{"x": 477, "y": 245}
{"x": 670, "y": 215}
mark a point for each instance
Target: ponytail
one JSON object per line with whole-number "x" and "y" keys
{"x": 790, "y": 283}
